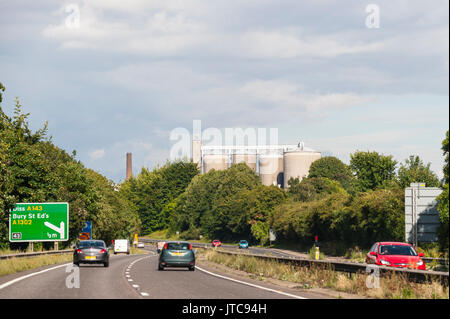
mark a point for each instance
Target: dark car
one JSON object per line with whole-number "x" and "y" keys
{"x": 177, "y": 254}
{"x": 91, "y": 252}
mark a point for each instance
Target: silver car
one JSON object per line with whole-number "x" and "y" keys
{"x": 91, "y": 252}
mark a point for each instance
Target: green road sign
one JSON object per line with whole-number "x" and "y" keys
{"x": 39, "y": 222}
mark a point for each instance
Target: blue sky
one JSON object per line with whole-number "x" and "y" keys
{"x": 126, "y": 73}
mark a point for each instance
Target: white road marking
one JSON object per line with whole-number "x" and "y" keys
{"x": 9, "y": 283}
{"x": 251, "y": 285}
{"x": 128, "y": 271}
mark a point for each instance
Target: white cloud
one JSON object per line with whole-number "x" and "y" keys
{"x": 289, "y": 44}
{"x": 97, "y": 154}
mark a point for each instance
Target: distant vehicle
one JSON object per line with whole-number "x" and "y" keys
{"x": 140, "y": 245}
{"x": 243, "y": 244}
{"x": 160, "y": 246}
{"x": 216, "y": 243}
{"x": 177, "y": 254}
{"x": 395, "y": 254}
{"x": 121, "y": 246}
{"x": 91, "y": 251}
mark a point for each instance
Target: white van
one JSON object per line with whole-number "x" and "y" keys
{"x": 121, "y": 246}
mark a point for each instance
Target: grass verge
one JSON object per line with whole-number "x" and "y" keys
{"x": 394, "y": 286}
{"x": 13, "y": 265}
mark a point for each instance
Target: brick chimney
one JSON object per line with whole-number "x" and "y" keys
{"x": 129, "y": 167}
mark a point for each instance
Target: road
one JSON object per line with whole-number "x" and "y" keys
{"x": 136, "y": 276}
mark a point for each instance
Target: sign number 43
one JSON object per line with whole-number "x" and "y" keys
{"x": 16, "y": 235}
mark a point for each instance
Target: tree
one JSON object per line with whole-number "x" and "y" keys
{"x": 414, "y": 171}
{"x": 372, "y": 169}
{"x": 332, "y": 168}
{"x": 215, "y": 202}
{"x": 312, "y": 188}
{"x": 33, "y": 169}
{"x": 2, "y": 89}
{"x": 443, "y": 201}
{"x": 152, "y": 190}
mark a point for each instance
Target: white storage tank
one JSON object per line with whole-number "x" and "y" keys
{"x": 297, "y": 163}
{"x": 249, "y": 159}
{"x": 270, "y": 168}
{"x": 215, "y": 161}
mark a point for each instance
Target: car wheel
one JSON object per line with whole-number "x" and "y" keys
{"x": 106, "y": 264}
{"x": 160, "y": 268}
{"x": 191, "y": 268}
{"x": 76, "y": 264}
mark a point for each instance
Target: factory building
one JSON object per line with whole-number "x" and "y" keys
{"x": 275, "y": 164}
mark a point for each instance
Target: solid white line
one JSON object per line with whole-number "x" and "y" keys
{"x": 249, "y": 284}
{"x": 9, "y": 283}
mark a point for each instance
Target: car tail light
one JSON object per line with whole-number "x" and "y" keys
{"x": 102, "y": 251}
{"x": 79, "y": 251}
{"x": 190, "y": 247}
{"x": 165, "y": 246}
{"x": 191, "y": 263}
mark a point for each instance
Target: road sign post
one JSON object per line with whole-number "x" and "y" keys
{"x": 33, "y": 222}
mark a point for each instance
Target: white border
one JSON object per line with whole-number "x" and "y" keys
{"x": 34, "y": 240}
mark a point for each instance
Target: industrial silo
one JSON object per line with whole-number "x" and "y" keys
{"x": 197, "y": 152}
{"x": 297, "y": 163}
{"x": 249, "y": 159}
{"x": 215, "y": 161}
{"x": 270, "y": 168}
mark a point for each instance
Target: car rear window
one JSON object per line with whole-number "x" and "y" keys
{"x": 88, "y": 243}
{"x": 397, "y": 250}
{"x": 178, "y": 246}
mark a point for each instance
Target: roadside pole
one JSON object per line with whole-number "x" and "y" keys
{"x": 316, "y": 243}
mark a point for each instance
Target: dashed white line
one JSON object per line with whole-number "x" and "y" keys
{"x": 127, "y": 274}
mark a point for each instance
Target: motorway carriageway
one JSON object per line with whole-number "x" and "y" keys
{"x": 136, "y": 276}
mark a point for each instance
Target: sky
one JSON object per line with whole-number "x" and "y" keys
{"x": 112, "y": 77}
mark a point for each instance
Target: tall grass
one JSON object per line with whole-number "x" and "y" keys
{"x": 394, "y": 286}
{"x": 13, "y": 265}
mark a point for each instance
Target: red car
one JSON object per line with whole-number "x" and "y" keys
{"x": 395, "y": 254}
{"x": 216, "y": 243}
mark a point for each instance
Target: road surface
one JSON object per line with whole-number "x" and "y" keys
{"x": 136, "y": 276}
